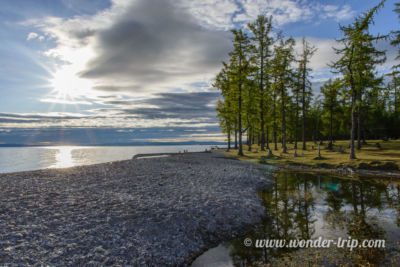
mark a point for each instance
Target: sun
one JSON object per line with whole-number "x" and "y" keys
{"x": 67, "y": 84}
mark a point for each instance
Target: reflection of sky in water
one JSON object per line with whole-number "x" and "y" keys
{"x": 219, "y": 258}
{"x": 299, "y": 206}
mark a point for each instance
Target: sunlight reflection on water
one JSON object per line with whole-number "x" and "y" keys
{"x": 64, "y": 157}
{"x": 13, "y": 159}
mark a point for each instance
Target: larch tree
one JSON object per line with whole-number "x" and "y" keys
{"x": 263, "y": 90}
{"x": 226, "y": 108}
{"x": 305, "y": 84}
{"x": 281, "y": 65}
{"x": 396, "y": 40}
{"x": 261, "y": 37}
{"x": 330, "y": 91}
{"x": 353, "y": 53}
{"x": 240, "y": 68}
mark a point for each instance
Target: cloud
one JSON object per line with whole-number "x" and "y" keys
{"x": 335, "y": 12}
{"x": 137, "y": 47}
{"x": 391, "y": 55}
{"x": 80, "y": 6}
{"x": 325, "y": 53}
{"x": 33, "y": 36}
{"x": 188, "y": 106}
{"x": 65, "y": 101}
{"x": 49, "y": 115}
{"x": 144, "y": 47}
{"x": 226, "y": 14}
{"x": 214, "y": 14}
{"x": 151, "y": 62}
{"x": 193, "y": 110}
{"x": 284, "y": 12}
{"x": 24, "y": 120}
{"x": 289, "y": 11}
{"x": 155, "y": 47}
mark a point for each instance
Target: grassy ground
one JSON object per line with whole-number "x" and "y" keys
{"x": 385, "y": 156}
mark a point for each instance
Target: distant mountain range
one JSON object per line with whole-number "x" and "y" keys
{"x": 20, "y": 137}
{"x": 121, "y": 144}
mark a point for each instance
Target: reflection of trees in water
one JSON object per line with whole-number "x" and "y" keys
{"x": 290, "y": 209}
{"x": 305, "y": 204}
{"x": 361, "y": 226}
{"x": 393, "y": 196}
{"x": 335, "y": 217}
{"x": 290, "y": 214}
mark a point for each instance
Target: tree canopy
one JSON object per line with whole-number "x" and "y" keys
{"x": 268, "y": 96}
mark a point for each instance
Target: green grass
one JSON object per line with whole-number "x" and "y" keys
{"x": 369, "y": 156}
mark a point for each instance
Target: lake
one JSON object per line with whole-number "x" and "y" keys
{"x": 309, "y": 206}
{"x": 14, "y": 159}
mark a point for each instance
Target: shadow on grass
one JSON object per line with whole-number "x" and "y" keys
{"x": 265, "y": 159}
{"x": 320, "y": 158}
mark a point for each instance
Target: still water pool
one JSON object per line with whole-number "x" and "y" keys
{"x": 309, "y": 206}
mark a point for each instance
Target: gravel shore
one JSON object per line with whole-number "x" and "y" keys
{"x": 142, "y": 212}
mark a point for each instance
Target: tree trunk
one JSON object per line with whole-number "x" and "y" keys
{"x": 274, "y": 124}
{"x": 353, "y": 109}
{"x": 240, "y": 152}
{"x": 296, "y": 126}
{"x": 303, "y": 106}
{"x": 283, "y": 110}
{"x": 229, "y": 140}
{"x": 262, "y": 141}
{"x": 249, "y": 139}
{"x": 236, "y": 136}
{"x": 319, "y": 150}
{"x": 352, "y": 131}
{"x": 365, "y": 126}
{"x": 358, "y": 128}
{"x": 262, "y": 100}
{"x": 330, "y": 145}
{"x": 396, "y": 108}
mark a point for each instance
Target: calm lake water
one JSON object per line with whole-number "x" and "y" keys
{"x": 306, "y": 206}
{"x": 14, "y": 159}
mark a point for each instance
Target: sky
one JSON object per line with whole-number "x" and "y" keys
{"x": 142, "y": 69}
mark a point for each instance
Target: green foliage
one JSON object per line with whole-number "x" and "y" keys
{"x": 267, "y": 90}
{"x": 396, "y": 40}
{"x": 357, "y": 62}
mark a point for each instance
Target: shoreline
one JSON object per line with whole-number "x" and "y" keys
{"x": 337, "y": 170}
{"x": 115, "y": 145}
{"x": 158, "y": 211}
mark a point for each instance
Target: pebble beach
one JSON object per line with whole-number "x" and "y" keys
{"x": 161, "y": 211}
